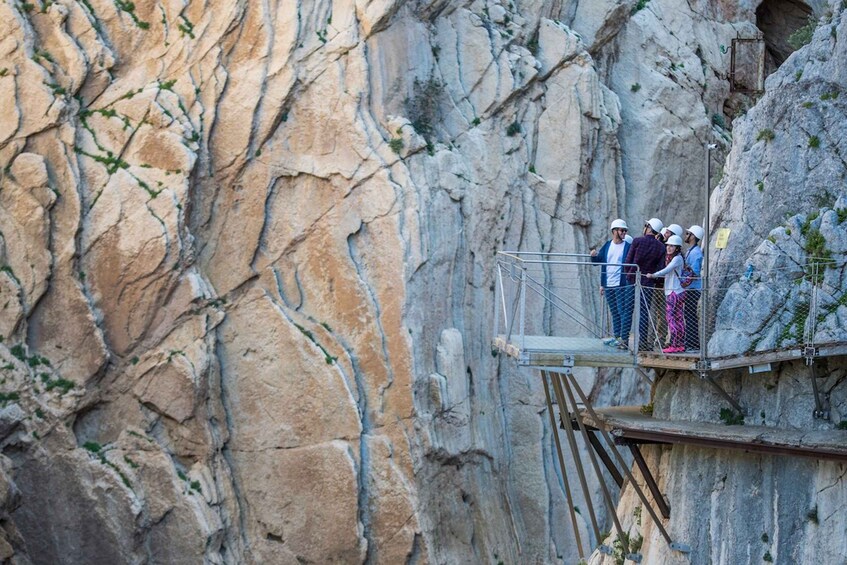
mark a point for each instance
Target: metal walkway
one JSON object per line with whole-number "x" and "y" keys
{"x": 549, "y": 351}
{"x": 551, "y": 313}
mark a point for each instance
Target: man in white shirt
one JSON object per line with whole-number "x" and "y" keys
{"x": 614, "y": 284}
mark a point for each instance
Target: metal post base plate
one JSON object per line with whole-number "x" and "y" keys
{"x": 680, "y": 547}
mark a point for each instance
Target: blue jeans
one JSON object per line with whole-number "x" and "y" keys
{"x": 644, "y": 343}
{"x": 692, "y": 324}
{"x": 620, "y": 304}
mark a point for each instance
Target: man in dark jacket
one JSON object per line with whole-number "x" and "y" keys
{"x": 614, "y": 284}
{"x": 649, "y": 254}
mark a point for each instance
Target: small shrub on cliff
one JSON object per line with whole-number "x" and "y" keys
{"x": 766, "y": 135}
{"x": 396, "y": 144}
{"x": 816, "y": 246}
{"x": 640, "y": 5}
{"x": 731, "y": 418}
{"x": 422, "y": 106}
{"x": 842, "y": 425}
{"x": 18, "y": 351}
{"x": 92, "y": 446}
{"x": 9, "y": 397}
{"x": 814, "y": 142}
{"x": 532, "y": 44}
{"x": 64, "y": 385}
{"x": 636, "y": 543}
{"x": 635, "y": 87}
{"x": 513, "y": 129}
{"x": 620, "y": 548}
{"x": 803, "y": 36}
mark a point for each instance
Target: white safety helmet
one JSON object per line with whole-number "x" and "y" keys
{"x": 618, "y": 224}
{"x": 697, "y": 232}
{"x": 674, "y": 240}
{"x": 656, "y": 224}
{"x": 628, "y": 238}
{"x": 676, "y": 229}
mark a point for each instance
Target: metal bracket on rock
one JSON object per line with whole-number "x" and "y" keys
{"x": 636, "y": 557}
{"x": 568, "y": 361}
{"x": 605, "y": 549}
{"x": 810, "y": 352}
{"x": 681, "y": 547}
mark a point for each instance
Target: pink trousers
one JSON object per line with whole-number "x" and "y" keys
{"x": 674, "y": 312}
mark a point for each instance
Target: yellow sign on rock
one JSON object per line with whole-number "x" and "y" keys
{"x": 722, "y": 238}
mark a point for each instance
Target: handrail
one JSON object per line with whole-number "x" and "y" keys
{"x": 581, "y": 263}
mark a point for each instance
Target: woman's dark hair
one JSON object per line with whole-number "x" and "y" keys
{"x": 669, "y": 258}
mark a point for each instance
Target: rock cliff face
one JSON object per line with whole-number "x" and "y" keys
{"x": 247, "y": 249}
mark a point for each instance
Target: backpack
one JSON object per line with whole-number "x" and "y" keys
{"x": 688, "y": 275}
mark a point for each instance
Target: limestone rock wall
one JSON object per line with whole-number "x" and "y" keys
{"x": 247, "y": 250}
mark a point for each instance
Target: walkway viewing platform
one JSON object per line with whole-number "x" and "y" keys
{"x": 551, "y": 313}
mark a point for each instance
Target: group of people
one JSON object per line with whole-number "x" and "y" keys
{"x": 658, "y": 256}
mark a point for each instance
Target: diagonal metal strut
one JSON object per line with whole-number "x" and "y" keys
{"x": 562, "y": 466}
{"x": 570, "y": 377}
{"x": 558, "y": 381}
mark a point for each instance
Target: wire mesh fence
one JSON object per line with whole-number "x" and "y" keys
{"x": 744, "y": 311}
{"x": 543, "y": 299}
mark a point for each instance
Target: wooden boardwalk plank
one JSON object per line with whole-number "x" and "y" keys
{"x": 628, "y": 423}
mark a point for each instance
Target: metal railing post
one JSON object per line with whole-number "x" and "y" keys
{"x": 813, "y": 306}
{"x": 498, "y": 292}
{"x": 704, "y": 271}
{"x": 704, "y": 320}
{"x": 523, "y": 308}
{"x": 636, "y": 314}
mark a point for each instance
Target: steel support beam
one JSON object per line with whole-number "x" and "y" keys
{"x": 651, "y": 482}
{"x": 555, "y": 431}
{"x": 656, "y": 520}
{"x": 584, "y": 431}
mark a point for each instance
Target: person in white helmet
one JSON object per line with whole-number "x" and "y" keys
{"x": 648, "y": 253}
{"x": 693, "y": 285}
{"x": 614, "y": 284}
{"x": 658, "y": 310}
{"x": 673, "y": 293}
{"x": 667, "y": 231}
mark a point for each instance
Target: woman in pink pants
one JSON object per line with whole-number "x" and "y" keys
{"x": 674, "y": 311}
